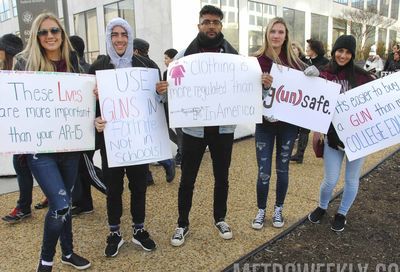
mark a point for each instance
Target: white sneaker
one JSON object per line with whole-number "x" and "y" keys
{"x": 224, "y": 230}
{"x": 277, "y": 218}
{"x": 258, "y": 222}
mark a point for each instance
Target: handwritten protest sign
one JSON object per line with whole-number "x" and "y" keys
{"x": 44, "y": 112}
{"x": 308, "y": 102}
{"x": 136, "y": 131}
{"x": 367, "y": 118}
{"x": 211, "y": 89}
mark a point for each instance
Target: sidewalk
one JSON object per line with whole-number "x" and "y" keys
{"x": 204, "y": 250}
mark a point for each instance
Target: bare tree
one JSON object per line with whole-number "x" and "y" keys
{"x": 364, "y": 23}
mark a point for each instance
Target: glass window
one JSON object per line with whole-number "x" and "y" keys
{"x": 295, "y": 20}
{"x": 230, "y": 21}
{"x": 82, "y": 21}
{"x": 372, "y": 5}
{"x": 251, "y": 6}
{"x": 110, "y": 11}
{"x": 264, "y": 13}
{"x": 382, "y": 34}
{"x": 339, "y": 28}
{"x": 5, "y": 12}
{"x": 392, "y": 37}
{"x": 14, "y": 7}
{"x": 370, "y": 35}
{"x": 123, "y": 9}
{"x": 384, "y": 9}
{"x": 394, "y": 10}
{"x": 357, "y": 4}
{"x": 357, "y": 32}
{"x": 319, "y": 28}
{"x": 343, "y": 2}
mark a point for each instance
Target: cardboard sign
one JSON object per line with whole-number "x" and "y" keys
{"x": 308, "y": 102}
{"x": 367, "y": 118}
{"x": 42, "y": 112}
{"x": 210, "y": 89}
{"x": 136, "y": 131}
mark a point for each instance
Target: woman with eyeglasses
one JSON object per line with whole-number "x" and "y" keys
{"x": 48, "y": 49}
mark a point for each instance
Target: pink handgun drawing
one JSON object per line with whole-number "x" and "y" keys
{"x": 177, "y": 72}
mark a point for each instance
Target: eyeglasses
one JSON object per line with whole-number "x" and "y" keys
{"x": 209, "y": 22}
{"x": 45, "y": 32}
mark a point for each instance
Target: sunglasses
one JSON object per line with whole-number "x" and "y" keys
{"x": 45, "y": 32}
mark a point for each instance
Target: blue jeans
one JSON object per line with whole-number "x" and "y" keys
{"x": 266, "y": 134}
{"x": 332, "y": 165}
{"x": 56, "y": 174}
{"x": 25, "y": 183}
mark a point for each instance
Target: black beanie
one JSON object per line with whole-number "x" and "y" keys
{"x": 11, "y": 44}
{"x": 141, "y": 44}
{"x": 345, "y": 41}
{"x": 78, "y": 45}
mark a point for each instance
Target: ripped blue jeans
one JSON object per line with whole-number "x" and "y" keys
{"x": 266, "y": 134}
{"x": 56, "y": 174}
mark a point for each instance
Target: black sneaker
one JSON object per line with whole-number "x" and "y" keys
{"x": 179, "y": 236}
{"x": 76, "y": 261}
{"x": 114, "y": 242}
{"x": 178, "y": 158}
{"x": 224, "y": 230}
{"x": 296, "y": 158}
{"x": 149, "y": 178}
{"x": 316, "y": 216}
{"x": 42, "y": 204}
{"x": 277, "y": 217}
{"x": 16, "y": 215}
{"x": 75, "y": 211}
{"x": 338, "y": 222}
{"x": 169, "y": 166}
{"x": 43, "y": 268}
{"x": 142, "y": 238}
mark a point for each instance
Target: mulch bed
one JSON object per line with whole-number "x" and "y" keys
{"x": 370, "y": 240}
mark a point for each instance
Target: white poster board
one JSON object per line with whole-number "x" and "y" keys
{"x": 43, "y": 112}
{"x": 308, "y": 102}
{"x": 210, "y": 89}
{"x": 136, "y": 131}
{"x": 367, "y": 118}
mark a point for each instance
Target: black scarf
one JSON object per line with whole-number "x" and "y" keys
{"x": 202, "y": 41}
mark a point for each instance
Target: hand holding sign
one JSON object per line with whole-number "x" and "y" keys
{"x": 307, "y": 102}
{"x": 211, "y": 89}
{"x": 367, "y": 118}
{"x": 135, "y": 129}
{"x": 46, "y": 112}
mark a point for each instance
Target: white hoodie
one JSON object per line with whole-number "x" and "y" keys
{"x": 125, "y": 60}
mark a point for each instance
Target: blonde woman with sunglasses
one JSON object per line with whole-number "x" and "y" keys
{"x": 48, "y": 49}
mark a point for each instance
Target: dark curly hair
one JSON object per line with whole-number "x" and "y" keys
{"x": 209, "y": 9}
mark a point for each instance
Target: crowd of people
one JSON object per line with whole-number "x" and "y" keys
{"x": 73, "y": 173}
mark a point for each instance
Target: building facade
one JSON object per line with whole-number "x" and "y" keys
{"x": 165, "y": 24}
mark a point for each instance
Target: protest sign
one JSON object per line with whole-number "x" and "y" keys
{"x": 43, "y": 112}
{"x": 211, "y": 89}
{"x": 367, "y": 118}
{"x": 136, "y": 131}
{"x": 308, "y": 102}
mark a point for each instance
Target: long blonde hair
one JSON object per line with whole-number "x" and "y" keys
{"x": 34, "y": 53}
{"x": 266, "y": 50}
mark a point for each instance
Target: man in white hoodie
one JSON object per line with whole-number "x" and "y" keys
{"x": 119, "y": 43}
